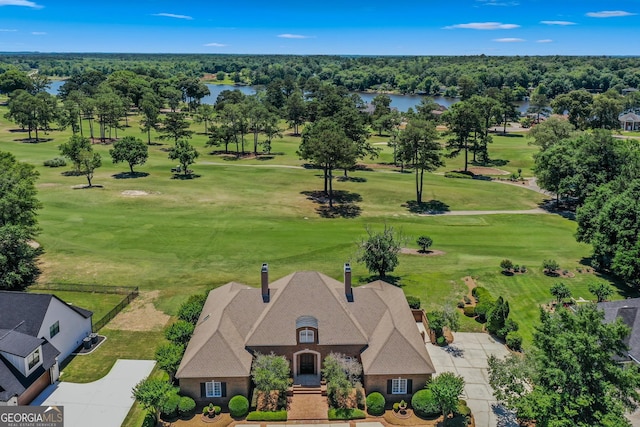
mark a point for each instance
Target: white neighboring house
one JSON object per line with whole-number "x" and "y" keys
{"x": 37, "y": 331}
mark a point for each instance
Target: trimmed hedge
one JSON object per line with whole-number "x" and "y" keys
{"x": 56, "y": 162}
{"x": 238, "y": 406}
{"x": 346, "y": 414}
{"x": 375, "y": 404}
{"x": 267, "y": 415}
{"x": 424, "y": 404}
{"x": 186, "y": 405}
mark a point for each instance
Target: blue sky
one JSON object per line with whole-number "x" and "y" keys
{"x": 374, "y": 27}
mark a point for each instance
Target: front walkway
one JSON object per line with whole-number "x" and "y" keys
{"x": 102, "y": 403}
{"x": 467, "y": 356}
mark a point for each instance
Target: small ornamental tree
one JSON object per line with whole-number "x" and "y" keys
{"x": 560, "y": 291}
{"x": 446, "y": 388}
{"x": 271, "y": 373}
{"x": 550, "y": 267}
{"x": 89, "y": 162}
{"x": 168, "y": 357}
{"x": 184, "y": 153}
{"x": 131, "y": 150}
{"x": 152, "y": 394}
{"x": 425, "y": 243}
{"x": 379, "y": 251}
{"x": 602, "y": 291}
{"x": 506, "y": 265}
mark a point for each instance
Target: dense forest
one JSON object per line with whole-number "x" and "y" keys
{"x": 428, "y": 75}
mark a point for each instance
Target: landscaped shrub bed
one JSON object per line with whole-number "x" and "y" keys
{"x": 375, "y": 404}
{"x": 170, "y": 406}
{"x": 267, "y": 415}
{"x": 238, "y": 406}
{"x": 459, "y": 174}
{"x": 346, "y": 414}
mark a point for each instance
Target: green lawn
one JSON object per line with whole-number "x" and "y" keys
{"x": 99, "y": 303}
{"x": 186, "y": 236}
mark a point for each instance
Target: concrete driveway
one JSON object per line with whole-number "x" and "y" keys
{"x": 102, "y": 403}
{"x": 467, "y": 356}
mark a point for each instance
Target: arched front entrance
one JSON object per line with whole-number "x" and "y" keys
{"x": 306, "y": 365}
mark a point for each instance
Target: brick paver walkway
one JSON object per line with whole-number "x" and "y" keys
{"x": 308, "y": 407}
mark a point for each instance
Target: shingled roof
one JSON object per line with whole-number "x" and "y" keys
{"x": 235, "y": 318}
{"x": 628, "y": 311}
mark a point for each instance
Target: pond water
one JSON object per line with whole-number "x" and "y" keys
{"x": 401, "y": 102}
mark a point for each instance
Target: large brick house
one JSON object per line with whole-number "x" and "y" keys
{"x": 304, "y": 317}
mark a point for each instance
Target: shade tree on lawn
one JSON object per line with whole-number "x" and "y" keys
{"x": 152, "y": 393}
{"x": 130, "y": 150}
{"x": 185, "y": 154}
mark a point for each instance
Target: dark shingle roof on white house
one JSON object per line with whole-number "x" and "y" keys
{"x": 628, "y": 310}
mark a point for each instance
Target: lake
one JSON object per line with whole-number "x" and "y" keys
{"x": 401, "y": 102}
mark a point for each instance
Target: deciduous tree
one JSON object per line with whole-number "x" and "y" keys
{"x": 151, "y": 393}
{"x": 131, "y": 150}
{"x": 184, "y": 153}
{"x": 379, "y": 251}
{"x": 446, "y": 388}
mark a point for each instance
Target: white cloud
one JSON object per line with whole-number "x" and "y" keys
{"x": 24, "y": 3}
{"x": 544, "y": 41}
{"x": 6, "y": 30}
{"x": 293, "y": 36}
{"x": 484, "y": 26}
{"x": 215, "y": 45}
{"x": 609, "y": 14}
{"x": 38, "y": 33}
{"x": 509, "y": 40}
{"x": 557, "y": 22}
{"x": 173, "y": 15}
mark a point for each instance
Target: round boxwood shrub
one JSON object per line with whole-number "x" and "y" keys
{"x": 469, "y": 311}
{"x": 186, "y": 405}
{"x": 238, "y": 406}
{"x": 375, "y": 404}
{"x": 424, "y": 404}
{"x": 170, "y": 406}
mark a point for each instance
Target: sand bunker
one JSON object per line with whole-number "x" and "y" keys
{"x": 134, "y": 193}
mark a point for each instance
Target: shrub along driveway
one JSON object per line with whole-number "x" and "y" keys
{"x": 467, "y": 356}
{"x": 102, "y": 403}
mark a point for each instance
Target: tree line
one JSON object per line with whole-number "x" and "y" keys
{"x": 430, "y": 75}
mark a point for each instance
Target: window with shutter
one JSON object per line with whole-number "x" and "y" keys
{"x": 399, "y": 386}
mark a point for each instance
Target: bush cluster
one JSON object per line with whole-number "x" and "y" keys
{"x": 485, "y": 302}
{"x": 414, "y": 302}
{"x": 56, "y": 162}
{"x": 460, "y": 175}
{"x": 424, "y": 404}
{"x": 346, "y": 414}
{"x": 267, "y": 415}
{"x": 216, "y": 410}
{"x": 514, "y": 340}
{"x": 238, "y": 406}
{"x": 375, "y": 404}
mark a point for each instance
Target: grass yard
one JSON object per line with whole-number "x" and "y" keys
{"x": 185, "y": 236}
{"x": 119, "y": 345}
{"x": 99, "y": 303}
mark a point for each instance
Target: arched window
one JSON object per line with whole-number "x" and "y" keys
{"x": 306, "y": 328}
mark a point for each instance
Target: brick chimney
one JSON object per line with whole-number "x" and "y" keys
{"x": 264, "y": 276}
{"x": 348, "y": 292}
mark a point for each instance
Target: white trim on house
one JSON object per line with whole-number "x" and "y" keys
{"x": 213, "y": 389}
{"x": 399, "y": 386}
{"x": 298, "y": 353}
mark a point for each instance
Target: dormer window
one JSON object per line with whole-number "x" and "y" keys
{"x": 307, "y": 330}
{"x": 307, "y": 336}
{"x": 33, "y": 359}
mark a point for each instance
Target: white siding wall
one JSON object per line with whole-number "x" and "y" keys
{"x": 18, "y": 362}
{"x": 73, "y": 327}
